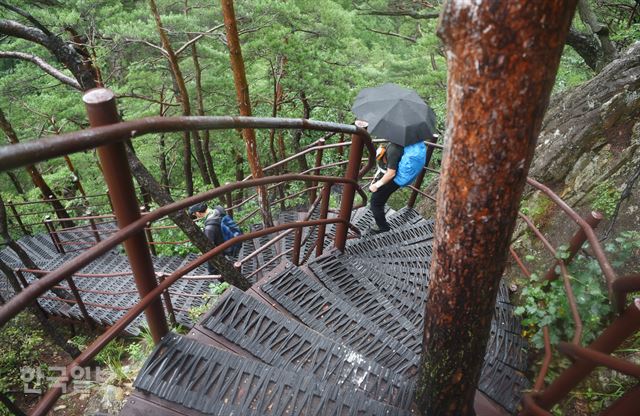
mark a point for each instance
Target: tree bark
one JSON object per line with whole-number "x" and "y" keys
{"x": 183, "y": 96}
{"x": 239, "y": 176}
{"x": 38, "y": 180}
{"x": 200, "y": 156}
{"x": 608, "y": 51}
{"x": 499, "y": 85}
{"x": 64, "y": 52}
{"x": 182, "y": 220}
{"x": 586, "y": 46}
{"x": 244, "y": 103}
{"x": 16, "y": 183}
{"x": 297, "y": 136}
{"x": 49, "y": 329}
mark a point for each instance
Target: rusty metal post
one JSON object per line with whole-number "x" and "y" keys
{"x": 620, "y": 329}
{"x": 148, "y": 233}
{"x": 53, "y": 234}
{"x": 349, "y": 190}
{"x": 297, "y": 242}
{"x": 576, "y": 242}
{"x": 18, "y": 219}
{"x": 313, "y": 193}
{"x": 81, "y": 306}
{"x": 496, "y": 72}
{"x": 420, "y": 178}
{"x": 94, "y": 228}
{"x": 101, "y": 109}
{"x": 324, "y": 211}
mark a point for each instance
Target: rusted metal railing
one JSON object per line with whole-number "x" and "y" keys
{"x": 586, "y": 359}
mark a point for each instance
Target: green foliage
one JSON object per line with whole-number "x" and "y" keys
{"x": 605, "y": 198}
{"x": 210, "y": 298}
{"x": 546, "y": 303}
{"x": 21, "y": 345}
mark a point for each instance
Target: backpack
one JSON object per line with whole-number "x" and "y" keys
{"x": 411, "y": 163}
{"x": 230, "y": 230}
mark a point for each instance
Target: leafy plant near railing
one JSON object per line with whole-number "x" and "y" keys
{"x": 546, "y": 304}
{"x": 215, "y": 290}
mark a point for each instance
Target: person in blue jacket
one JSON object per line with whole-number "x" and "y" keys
{"x": 403, "y": 164}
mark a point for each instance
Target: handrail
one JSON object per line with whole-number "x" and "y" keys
{"x": 16, "y": 304}
{"x": 46, "y": 201}
{"x": 92, "y": 350}
{"x": 34, "y": 151}
{"x": 608, "y": 271}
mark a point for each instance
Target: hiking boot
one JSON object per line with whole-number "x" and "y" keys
{"x": 375, "y": 229}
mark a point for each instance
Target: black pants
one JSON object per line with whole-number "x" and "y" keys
{"x": 378, "y": 200}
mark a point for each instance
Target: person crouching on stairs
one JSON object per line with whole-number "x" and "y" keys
{"x": 211, "y": 227}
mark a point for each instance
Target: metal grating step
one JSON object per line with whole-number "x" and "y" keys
{"x": 284, "y": 343}
{"x": 354, "y": 288}
{"x": 407, "y": 235}
{"x": 213, "y": 381}
{"x": 503, "y": 384}
{"x": 320, "y": 309}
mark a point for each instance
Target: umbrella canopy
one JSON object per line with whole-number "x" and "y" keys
{"x": 395, "y": 113}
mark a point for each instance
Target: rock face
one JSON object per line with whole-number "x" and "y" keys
{"x": 588, "y": 149}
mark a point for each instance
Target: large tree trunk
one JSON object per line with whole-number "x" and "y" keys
{"x": 182, "y": 93}
{"x": 36, "y": 177}
{"x": 182, "y": 220}
{"x": 498, "y": 88}
{"x": 244, "y": 103}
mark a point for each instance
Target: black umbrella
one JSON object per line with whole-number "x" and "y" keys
{"x": 395, "y": 113}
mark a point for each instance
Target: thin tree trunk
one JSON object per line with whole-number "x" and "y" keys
{"x": 608, "y": 51}
{"x": 49, "y": 329}
{"x": 181, "y": 219}
{"x": 16, "y": 184}
{"x": 496, "y": 75}
{"x": 239, "y": 176}
{"x": 183, "y": 95}
{"x": 244, "y": 102}
{"x": 38, "y": 180}
{"x": 162, "y": 156}
{"x": 297, "y": 136}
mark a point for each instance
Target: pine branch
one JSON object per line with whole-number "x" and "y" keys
{"x": 42, "y": 65}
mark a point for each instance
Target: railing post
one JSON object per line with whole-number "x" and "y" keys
{"x": 17, "y": 216}
{"x": 83, "y": 309}
{"x": 313, "y": 193}
{"x": 576, "y": 242}
{"x": 324, "y": 212}
{"x": 53, "y": 234}
{"x": 148, "y": 233}
{"x": 349, "y": 190}
{"x": 94, "y": 228}
{"x": 420, "y": 178}
{"x": 101, "y": 109}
